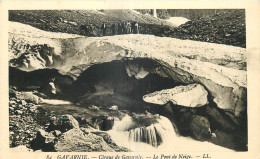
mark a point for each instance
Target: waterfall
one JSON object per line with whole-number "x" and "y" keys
{"x": 148, "y": 135}
{"x": 159, "y": 136}
{"x": 153, "y": 134}
{"x": 154, "y": 13}
{"x": 145, "y": 137}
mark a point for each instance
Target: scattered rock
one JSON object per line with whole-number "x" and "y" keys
{"x": 32, "y": 109}
{"x": 23, "y": 102}
{"x": 93, "y": 107}
{"x": 19, "y": 112}
{"x": 12, "y": 103}
{"x": 193, "y": 95}
{"x": 114, "y": 107}
{"x": 11, "y": 109}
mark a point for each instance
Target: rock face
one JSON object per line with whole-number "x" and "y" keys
{"x": 193, "y": 95}
{"x": 220, "y": 68}
{"x": 191, "y": 124}
{"x": 230, "y": 140}
{"x": 209, "y": 123}
{"x": 75, "y": 140}
{"x": 200, "y": 128}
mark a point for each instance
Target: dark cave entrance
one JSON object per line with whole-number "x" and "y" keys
{"x": 110, "y": 84}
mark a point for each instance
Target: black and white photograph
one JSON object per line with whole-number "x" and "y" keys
{"x": 128, "y": 80}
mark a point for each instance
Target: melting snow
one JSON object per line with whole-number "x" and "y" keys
{"x": 177, "y": 21}
{"x": 29, "y": 31}
{"x": 136, "y": 12}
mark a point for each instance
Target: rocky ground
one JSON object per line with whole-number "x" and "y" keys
{"x": 35, "y": 129}
{"x": 23, "y": 126}
{"x": 53, "y": 128}
{"x": 223, "y": 28}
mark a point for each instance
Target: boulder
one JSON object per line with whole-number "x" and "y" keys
{"x": 76, "y": 140}
{"x": 190, "y": 123}
{"x": 93, "y": 107}
{"x": 43, "y": 141}
{"x": 23, "y": 102}
{"x": 12, "y": 103}
{"x": 28, "y": 96}
{"x": 193, "y": 95}
{"x": 19, "y": 112}
{"x": 200, "y": 128}
{"x": 33, "y": 108}
{"x": 103, "y": 122}
{"x": 64, "y": 123}
{"x": 114, "y": 107}
{"x": 82, "y": 121}
{"x": 110, "y": 142}
{"x": 56, "y": 133}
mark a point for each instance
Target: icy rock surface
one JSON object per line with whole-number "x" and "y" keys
{"x": 193, "y": 95}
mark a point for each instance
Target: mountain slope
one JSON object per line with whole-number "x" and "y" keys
{"x": 227, "y": 27}
{"x": 71, "y": 21}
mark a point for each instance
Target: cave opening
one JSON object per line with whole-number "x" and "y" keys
{"x": 122, "y": 83}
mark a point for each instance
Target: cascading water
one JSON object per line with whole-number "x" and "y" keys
{"x": 142, "y": 138}
{"x": 153, "y": 134}
{"x": 159, "y": 136}
{"x": 149, "y": 135}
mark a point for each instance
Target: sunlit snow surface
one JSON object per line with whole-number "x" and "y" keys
{"x": 177, "y": 21}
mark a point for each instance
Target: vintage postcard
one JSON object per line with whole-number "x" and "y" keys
{"x": 130, "y": 80}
